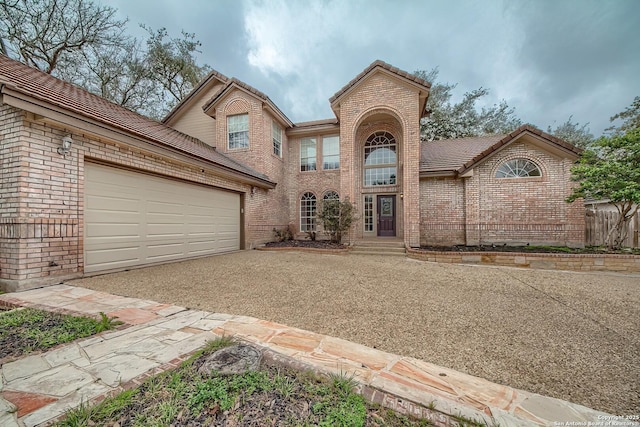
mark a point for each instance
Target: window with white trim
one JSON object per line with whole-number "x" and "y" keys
{"x": 276, "y": 134}
{"x": 368, "y": 213}
{"x": 308, "y": 154}
{"x": 238, "y": 131}
{"x": 518, "y": 168}
{"x": 308, "y": 212}
{"x": 380, "y": 159}
{"x": 331, "y": 152}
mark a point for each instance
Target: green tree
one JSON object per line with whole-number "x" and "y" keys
{"x": 610, "y": 170}
{"x": 173, "y": 65}
{"x": 448, "y": 120}
{"x": 630, "y": 118}
{"x": 336, "y": 217}
{"x": 574, "y": 133}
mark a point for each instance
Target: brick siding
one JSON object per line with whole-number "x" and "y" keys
{"x": 483, "y": 209}
{"x": 42, "y": 196}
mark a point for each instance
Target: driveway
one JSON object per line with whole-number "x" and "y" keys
{"x": 573, "y": 336}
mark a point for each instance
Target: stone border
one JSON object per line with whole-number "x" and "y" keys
{"x": 553, "y": 261}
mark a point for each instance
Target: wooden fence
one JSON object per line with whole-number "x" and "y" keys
{"x": 598, "y": 222}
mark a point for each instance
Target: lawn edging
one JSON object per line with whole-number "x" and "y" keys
{"x": 544, "y": 261}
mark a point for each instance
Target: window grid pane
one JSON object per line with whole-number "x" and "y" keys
{"x": 308, "y": 154}
{"x": 379, "y": 176}
{"x": 518, "y": 168}
{"x": 380, "y": 159}
{"x": 308, "y": 212}
{"x": 368, "y": 213}
{"x": 238, "y": 131}
{"x": 277, "y": 140}
{"x": 331, "y": 152}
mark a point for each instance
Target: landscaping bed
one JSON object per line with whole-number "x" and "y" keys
{"x": 27, "y": 330}
{"x": 314, "y": 244}
{"x": 270, "y": 395}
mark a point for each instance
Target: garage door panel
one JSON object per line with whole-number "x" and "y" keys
{"x": 103, "y": 259}
{"x": 113, "y": 231}
{"x": 135, "y": 219}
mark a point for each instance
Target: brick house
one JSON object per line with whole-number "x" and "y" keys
{"x": 89, "y": 187}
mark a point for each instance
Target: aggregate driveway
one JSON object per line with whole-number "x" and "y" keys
{"x": 573, "y": 336}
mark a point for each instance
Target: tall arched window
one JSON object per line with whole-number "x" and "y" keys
{"x": 331, "y": 195}
{"x": 518, "y": 168}
{"x": 308, "y": 212}
{"x": 380, "y": 159}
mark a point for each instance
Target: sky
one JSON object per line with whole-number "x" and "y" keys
{"x": 549, "y": 59}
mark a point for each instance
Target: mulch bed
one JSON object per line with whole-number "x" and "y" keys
{"x": 315, "y": 244}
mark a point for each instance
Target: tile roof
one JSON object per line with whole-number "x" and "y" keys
{"x": 458, "y": 155}
{"x": 384, "y": 65}
{"x": 44, "y": 87}
{"x": 450, "y": 154}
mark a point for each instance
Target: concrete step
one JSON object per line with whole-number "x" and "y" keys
{"x": 390, "y": 243}
{"x": 378, "y": 253}
{"x": 385, "y": 249}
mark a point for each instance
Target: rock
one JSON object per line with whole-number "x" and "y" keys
{"x": 236, "y": 359}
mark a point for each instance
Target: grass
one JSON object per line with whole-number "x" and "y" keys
{"x": 272, "y": 395}
{"x": 24, "y": 331}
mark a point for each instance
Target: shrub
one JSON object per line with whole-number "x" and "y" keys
{"x": 336, "y": 217}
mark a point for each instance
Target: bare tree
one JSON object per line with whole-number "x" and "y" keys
{"x": 50, "y": 34}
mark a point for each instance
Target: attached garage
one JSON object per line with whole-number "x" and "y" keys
{"x": 133, "y": 219}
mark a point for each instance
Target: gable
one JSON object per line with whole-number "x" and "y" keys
{"x": 391, "y": 75}
{"x": 193, "y": 121}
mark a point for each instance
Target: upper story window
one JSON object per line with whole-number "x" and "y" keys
{"x": 276, "y": 134}
{"x": 518, "y": 168}
{"x": 308, "y": 154}
{"x": 238, "y": 131}
{"x": 380, "y": 159}
{"x": 331, "y": 152}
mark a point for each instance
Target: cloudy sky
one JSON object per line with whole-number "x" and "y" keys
{"x": 549, "y": 59}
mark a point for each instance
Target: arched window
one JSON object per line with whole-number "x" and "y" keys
{"x": 380, "y": 159}
{"x": 308, "y": 212}
{"x": 331, "y": 195}
{"x": 518, "y": 168}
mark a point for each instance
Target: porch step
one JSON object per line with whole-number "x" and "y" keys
{"x": 379, "y": 247}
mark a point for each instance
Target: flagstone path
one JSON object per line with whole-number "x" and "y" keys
{"x": 41, "y": 387}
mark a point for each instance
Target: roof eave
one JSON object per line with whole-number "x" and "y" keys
{"x": 438, "y": 173}
{"x": 214, "y": 75}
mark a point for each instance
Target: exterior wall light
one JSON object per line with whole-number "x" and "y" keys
{"x": 66, "y": 145}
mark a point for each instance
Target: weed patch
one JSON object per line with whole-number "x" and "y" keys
{"x": 273, "y": 395}
{"x": 24, "y": 331}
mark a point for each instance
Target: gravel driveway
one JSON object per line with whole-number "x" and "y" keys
{"x": 573, "y": 336}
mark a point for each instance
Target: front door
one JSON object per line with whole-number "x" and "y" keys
{"x": 386, "y": 215}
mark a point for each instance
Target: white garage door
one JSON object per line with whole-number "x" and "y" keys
{"x": 134, "y": 219}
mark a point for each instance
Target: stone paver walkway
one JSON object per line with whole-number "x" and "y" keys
{"x": 40, "y": 387}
